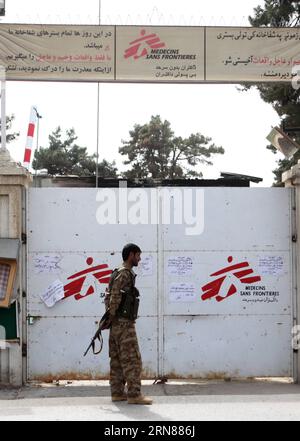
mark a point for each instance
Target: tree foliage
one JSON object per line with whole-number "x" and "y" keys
{"x": 283, "y": 97}
{"x": 153, "y": 151}
{"x": 65, "y": 157}
{"x": 10, "y": 136}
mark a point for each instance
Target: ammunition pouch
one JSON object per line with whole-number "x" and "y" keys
{"x": 129, "y": 304}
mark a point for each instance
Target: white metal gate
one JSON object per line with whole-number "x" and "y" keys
{"x": 214, "y": 304}
{"x": 248, "y": 333}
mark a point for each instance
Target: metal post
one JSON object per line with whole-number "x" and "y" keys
{"x": 160, "y": 284}
{"x": 3, "y": 114}
{"x": 97, "y": 153}
{"x": 98, "y": 111}
{"x": 37, "y": 141}
{"x": 38, "y": 117}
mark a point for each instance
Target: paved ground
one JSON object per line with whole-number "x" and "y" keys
{"x": 173, "y": 401}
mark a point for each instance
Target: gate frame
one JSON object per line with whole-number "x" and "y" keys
{"x": 291, "y": 178}
{"x": 14, "y": 182}
{"x": 161, "y": 275}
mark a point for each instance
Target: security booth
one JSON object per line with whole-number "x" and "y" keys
{"x": 13, "y": 181}
{"x": 9, "y": 308}
{"x": 9, "y": 253}
{"x": 9, "y": 326}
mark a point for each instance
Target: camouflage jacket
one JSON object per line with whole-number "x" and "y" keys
{"x": 125, "y": 279}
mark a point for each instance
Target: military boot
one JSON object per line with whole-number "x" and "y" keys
{"x": 119, "y": 397}
{"x": 139, "y": 400}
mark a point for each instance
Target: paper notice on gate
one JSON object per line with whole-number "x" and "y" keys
{"x": 182, "y": 292}
{"x": 271, "y": 265}
{"x": 53, "y": 294}
{"x": 145, "y": 267}
{"x": 180, "y": 265}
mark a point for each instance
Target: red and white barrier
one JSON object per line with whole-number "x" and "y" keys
{"x": 30, "y": 136}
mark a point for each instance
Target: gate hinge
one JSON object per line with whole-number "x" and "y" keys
{"x": 294, "y": 238}
{"x": 24, "y": 238}
{"x": 24, "y": 350}
{"x": 32, "y": 318}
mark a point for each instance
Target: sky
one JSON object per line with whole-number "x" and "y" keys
{"x": 237, "y": 121}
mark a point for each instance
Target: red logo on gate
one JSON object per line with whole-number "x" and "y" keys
{"x": 83, "y": 282}
{"x": 139, "y": 48}
{"x": 212, "y": 289}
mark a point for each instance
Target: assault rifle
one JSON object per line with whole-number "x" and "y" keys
{"x": 103, "y": 324}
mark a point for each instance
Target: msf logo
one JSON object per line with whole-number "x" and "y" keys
{"x": 139, "y": 48}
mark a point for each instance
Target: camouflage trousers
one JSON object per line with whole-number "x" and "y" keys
{"x": 125, "y": 359}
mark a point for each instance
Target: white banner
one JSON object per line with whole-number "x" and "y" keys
{"x": 149, "y": 53}
{"x": 252, "y": 54}
{"x": 160, "y": 54}
{"x": 57, "y": 52}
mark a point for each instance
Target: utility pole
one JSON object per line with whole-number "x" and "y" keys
{"x": 3, "y": 92}
{"x": 3, "y": 108}
{"x": 98, "y": 111}
{"x": 37, "y": 136}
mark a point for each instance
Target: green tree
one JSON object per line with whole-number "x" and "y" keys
{"x": 65, "y": 157}
{"x": 154, "y": 152}
{"x": 107, "y": 169}
{"x": 9, "y": 136}
{"x": 283, "y": 97}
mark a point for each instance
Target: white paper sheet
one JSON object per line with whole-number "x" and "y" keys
{"x": 53, "y": 294}
{"x": 270, "y": 265}
{"x": 180, "y": 265}
{"x": 147, "y": 265}
{"x": 182, "y": 292}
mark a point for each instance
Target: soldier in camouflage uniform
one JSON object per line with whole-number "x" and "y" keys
{"x": 124, "y": 353}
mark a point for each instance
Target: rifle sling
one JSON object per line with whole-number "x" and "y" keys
{"x": 100, "y": 338}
